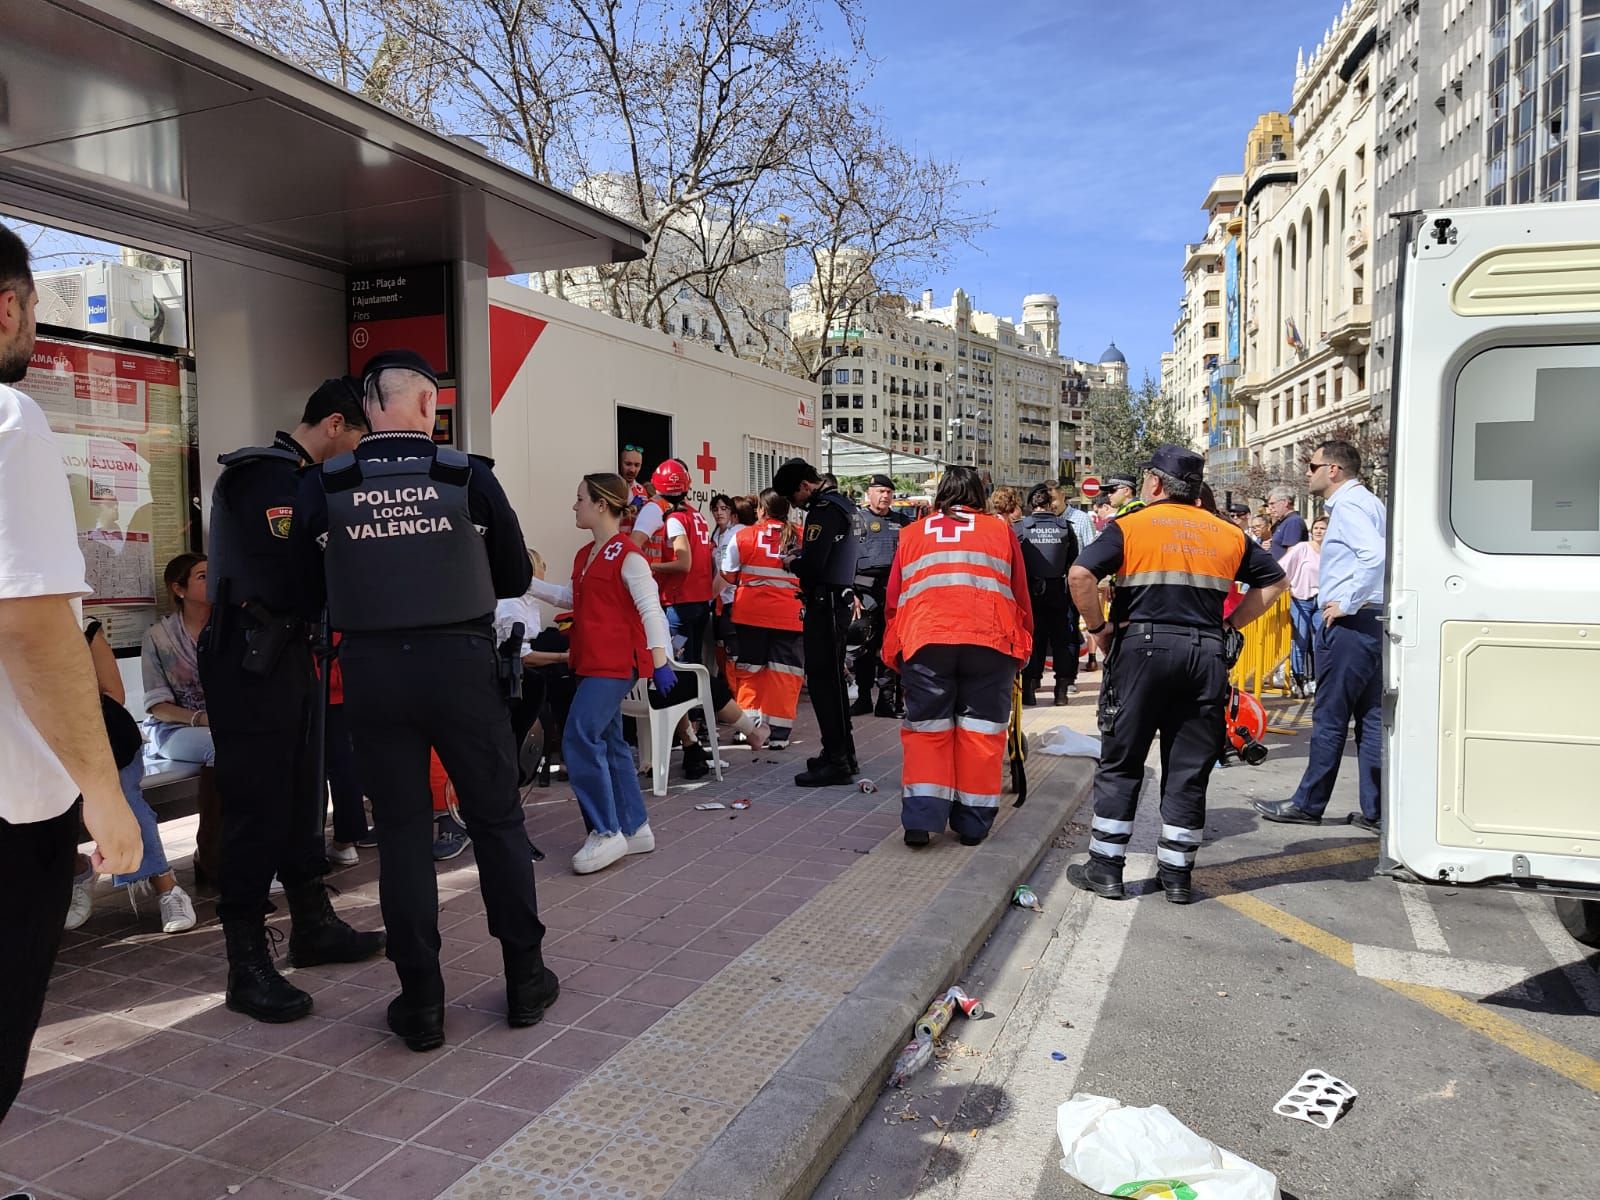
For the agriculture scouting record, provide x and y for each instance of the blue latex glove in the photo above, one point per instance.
(665, 678)
(639, 501)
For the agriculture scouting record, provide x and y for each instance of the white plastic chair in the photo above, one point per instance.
(655, 733)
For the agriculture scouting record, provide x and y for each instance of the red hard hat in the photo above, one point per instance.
(669, 479)
(1247, 726)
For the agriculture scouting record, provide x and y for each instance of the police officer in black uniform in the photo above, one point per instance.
(1049, 547)
(410, 543)
(255, 667)
(878, 530)
(1165, 671)
(826, 567)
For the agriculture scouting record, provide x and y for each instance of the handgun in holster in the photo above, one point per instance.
(508, 663)
(264, 645)
(1110, 703)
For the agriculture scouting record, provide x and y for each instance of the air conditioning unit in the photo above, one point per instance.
(106, 297)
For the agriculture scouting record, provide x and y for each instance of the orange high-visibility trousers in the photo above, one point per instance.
(953, 738)
(770, 671)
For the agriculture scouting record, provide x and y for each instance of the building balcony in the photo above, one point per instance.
(1351, 329)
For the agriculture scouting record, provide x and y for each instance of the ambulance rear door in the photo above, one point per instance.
(1492, 770)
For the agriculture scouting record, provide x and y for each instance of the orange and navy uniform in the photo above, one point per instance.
(960, 623)
(766, 615)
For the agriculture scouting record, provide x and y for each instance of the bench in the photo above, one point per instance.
(171, 788)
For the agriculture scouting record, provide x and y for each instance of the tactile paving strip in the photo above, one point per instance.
(662, 1098)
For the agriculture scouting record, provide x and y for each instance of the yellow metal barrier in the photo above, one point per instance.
(1267, 642)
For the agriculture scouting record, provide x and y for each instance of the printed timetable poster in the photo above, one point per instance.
(116, 417)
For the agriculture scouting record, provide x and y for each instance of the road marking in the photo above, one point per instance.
(1559, 943)
(1468, 975)
(1519, 1039)
(1269, 866)
(1424, 922)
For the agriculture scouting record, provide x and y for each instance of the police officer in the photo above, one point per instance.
(878, 530)
(1049, 547)
(255, 667)
(1165, 672)
(419, 541)
(1122, 488)
(826, 567)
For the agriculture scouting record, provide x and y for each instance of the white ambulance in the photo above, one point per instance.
(1492, 689)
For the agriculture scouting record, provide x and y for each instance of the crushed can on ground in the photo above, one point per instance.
(1024, 897)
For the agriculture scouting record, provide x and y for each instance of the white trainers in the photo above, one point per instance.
(598, 852)
(82, 902)
(641, 841)
(177, 910)
(276, 887)
(342, 856)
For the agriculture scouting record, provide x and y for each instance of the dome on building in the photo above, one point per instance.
(1112, 355)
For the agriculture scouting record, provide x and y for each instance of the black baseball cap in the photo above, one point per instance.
(882, 481)
(1118, 479)
(1177, 462)
(408, 360)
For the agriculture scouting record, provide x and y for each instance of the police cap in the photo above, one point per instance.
(882, 481)
(1120, 479)
(1177, 462)
(787, 479)
(1238, 508)
(408, 360)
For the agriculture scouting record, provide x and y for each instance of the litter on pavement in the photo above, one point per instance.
(709, 806)
(1058, 1056)
(1024, 897)
(1066, 743)
(1318, 1098)
(741, 805)
(1122, 1151)
(917, 1054)
(867, 786)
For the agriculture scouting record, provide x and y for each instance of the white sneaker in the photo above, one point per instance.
(343, 856)
(759, 736)
(177, 910)
(276, 889)
(641, 841)
(598, 852)
(82, 902)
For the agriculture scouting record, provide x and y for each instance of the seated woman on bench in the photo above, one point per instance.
(177, 724)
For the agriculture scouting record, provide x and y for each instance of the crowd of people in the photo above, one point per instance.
(386, 637)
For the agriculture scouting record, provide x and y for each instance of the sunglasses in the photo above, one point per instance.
(1313, 467)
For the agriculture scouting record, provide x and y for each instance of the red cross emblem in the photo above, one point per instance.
(706, 462)
(949, 528)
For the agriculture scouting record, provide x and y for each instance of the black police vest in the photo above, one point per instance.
(1046, 543)
(841, 568)
(878, 537)
(402, 551)
(252, 508)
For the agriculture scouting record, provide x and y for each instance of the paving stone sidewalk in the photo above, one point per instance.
(688, 977)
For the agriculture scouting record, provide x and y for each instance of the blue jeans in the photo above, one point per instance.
(155, 856)
(1349, 687)
(599, 762)
(1306, 618)
(182, 743)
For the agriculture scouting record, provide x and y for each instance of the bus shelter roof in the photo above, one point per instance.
(849, 457)
(133, 107)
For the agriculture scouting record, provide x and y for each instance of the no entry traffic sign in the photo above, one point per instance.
(1090, 486)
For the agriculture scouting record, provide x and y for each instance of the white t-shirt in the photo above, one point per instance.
(39, 556)
(650, 520)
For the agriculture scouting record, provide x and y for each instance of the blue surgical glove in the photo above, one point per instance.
(638, 501)
(665, 678)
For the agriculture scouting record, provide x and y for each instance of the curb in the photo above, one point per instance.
(784, 1140)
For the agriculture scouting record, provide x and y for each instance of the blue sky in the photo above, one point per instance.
(1095, 130)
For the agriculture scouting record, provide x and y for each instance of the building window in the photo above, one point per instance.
(855, 377)
(858, 401)
(827, 399)
(1212, 330)
(1213, 299)
(858, 425)
(874, 377)
(841, 376)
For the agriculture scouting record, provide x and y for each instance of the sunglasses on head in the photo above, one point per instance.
(631, 449)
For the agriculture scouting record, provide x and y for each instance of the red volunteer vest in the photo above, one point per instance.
(696, 585)
(607, 636)
(768, 594)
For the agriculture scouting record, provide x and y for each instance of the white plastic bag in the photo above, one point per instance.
(1065, 742)
(1149, 1153)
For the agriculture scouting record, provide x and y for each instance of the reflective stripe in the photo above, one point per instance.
(767, 573)
(1114, 850)
(786, 669)
(1106, 825)
(1177, 833)
(929, 791)
(974, 725)
(971, 558)
(787, 581)
(1175, 858)
(941, 725)
(984, 583)
(751, 668)
(973, 800)
(1210, 583)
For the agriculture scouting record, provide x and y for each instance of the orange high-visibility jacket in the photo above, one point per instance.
(768, 593)
(958, 579)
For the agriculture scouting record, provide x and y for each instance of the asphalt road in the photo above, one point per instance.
(1468, 1022)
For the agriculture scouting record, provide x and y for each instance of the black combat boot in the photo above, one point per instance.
(317, 935)
(830, 772)
(817, 760)
(531, 987)
(254, 986)
(417, 1013)
(1099, 876)
(696, 762)
(1177, 885)
(1063, 697)
(886, 706)
(1030, 693)
(863, 703)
